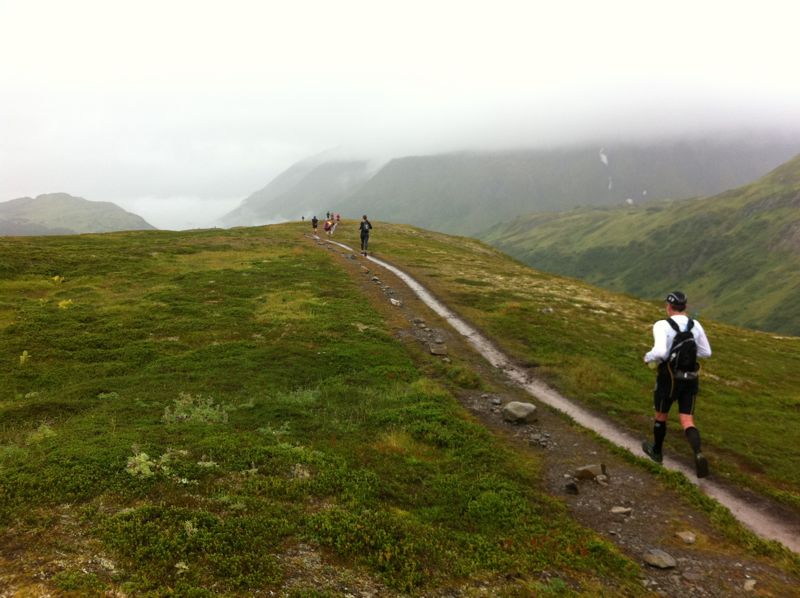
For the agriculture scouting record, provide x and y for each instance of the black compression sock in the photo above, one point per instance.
(659, 432)
(693, 436)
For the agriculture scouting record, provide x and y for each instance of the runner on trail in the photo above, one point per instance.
(365, 226)
(314, 223)
(672, 383)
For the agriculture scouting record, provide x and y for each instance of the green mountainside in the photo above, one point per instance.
(60, 213)
(465, 193)
(736, 255)
(307, 188)
(186, 413)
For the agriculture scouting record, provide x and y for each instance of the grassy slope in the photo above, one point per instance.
(464, 193)
(737, 255)
(590, 347)
(62, 211)
(191, 405)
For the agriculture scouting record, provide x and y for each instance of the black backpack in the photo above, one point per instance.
(682, 360)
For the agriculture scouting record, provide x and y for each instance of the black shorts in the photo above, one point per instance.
(683, 391)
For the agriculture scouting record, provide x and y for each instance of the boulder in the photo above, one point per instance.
(519, 413)
(656, 557)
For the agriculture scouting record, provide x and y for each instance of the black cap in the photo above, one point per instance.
(676, 299)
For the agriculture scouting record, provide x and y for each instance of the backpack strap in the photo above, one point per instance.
(674, 325)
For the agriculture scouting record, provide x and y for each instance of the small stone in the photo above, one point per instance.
(518, 412)
(438, 349)
(590, 472)
(621, 510)
(693, 575)
(656, 557)
(602, 480)
(749, 585)
(571, 487)
(687, 537)
(496, 401)
(396, 302)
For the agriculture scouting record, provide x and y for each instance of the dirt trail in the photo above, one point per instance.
(654, 514)
(762, 523)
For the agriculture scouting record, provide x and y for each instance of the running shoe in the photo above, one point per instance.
(651, 452)
(701, 465)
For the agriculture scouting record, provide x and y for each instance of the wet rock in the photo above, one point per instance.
(693, 575)
(590, 472)
(438, 349)
(687, 537)
(519, 413)
(655, 557)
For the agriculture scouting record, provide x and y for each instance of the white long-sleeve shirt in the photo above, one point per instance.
(663, 335)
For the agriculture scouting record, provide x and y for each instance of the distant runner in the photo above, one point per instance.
(314, 224)
(677, 343)
(364, 227)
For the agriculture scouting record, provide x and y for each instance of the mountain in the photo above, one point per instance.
(306, 188)
(736, 255)
(63, 214)
(465, 193)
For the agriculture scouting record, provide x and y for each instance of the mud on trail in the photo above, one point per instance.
(633, 508)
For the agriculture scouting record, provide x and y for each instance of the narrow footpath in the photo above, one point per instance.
(762, 522)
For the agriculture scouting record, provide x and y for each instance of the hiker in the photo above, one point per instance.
(314, 223)
(677, 378)
(327, 226)
(365, 226)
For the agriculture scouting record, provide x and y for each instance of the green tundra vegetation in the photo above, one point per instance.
(193, 406)
(736, 255)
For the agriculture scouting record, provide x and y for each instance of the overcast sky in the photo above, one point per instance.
(179, 109)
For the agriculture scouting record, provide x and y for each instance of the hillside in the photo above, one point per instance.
(307, 188)
(466, 193)
(243, 411)
(60, 213)
(737, 255)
